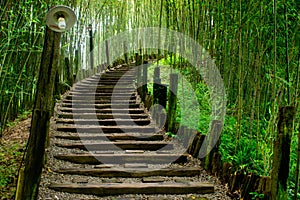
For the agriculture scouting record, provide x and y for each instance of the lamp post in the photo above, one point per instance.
(90, 28)
(58, 19)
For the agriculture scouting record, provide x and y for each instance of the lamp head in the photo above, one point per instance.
(60, 18)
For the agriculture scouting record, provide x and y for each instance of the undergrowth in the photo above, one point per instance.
(10, 158)
(12, 147)
(252, 151)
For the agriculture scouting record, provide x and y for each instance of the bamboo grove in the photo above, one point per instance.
(255, 45)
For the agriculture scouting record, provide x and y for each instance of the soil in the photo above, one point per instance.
(12, 148)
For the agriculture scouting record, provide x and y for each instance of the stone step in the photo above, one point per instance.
(134, 188)
(107, 122)
(95, 159)
(113, 137)
(106, 129)
(128, 145)
(132, 172)
(101, 116)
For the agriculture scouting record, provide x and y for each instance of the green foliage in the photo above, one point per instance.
(193, 107)
(20, 117)
(293, 162)
(10, 155)
(245, 153)
(256, 195)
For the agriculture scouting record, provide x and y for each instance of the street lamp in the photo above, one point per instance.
(58, 20)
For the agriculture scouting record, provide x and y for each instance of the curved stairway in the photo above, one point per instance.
(110, 135)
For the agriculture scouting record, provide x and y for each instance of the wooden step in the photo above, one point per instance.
(106, 129)
(104, 93)
(128, 145)
(105, 87)
(99, 106)
(101, 116)
(99, 92)
(120, 72)
(112, 137)
(106, 97)
(115, 78)
(107, 122)
(135, 151)
(135, 165)
(93, 101)
(97, 82)
(117, 74)
(96, 159)
(104, 110)
(98, 77)
(127, 70)
(137, 188)
(132, 172)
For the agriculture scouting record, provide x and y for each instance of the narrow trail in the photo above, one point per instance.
(105, 145)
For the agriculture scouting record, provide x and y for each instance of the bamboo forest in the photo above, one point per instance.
(101, 105)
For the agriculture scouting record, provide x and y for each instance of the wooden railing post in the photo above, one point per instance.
(69, 72)
(156, 84)
(171, 116)
(107, 52)
(139, 73)
(126, 53)
(144, 81)
(281, 157)
(216, 127)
